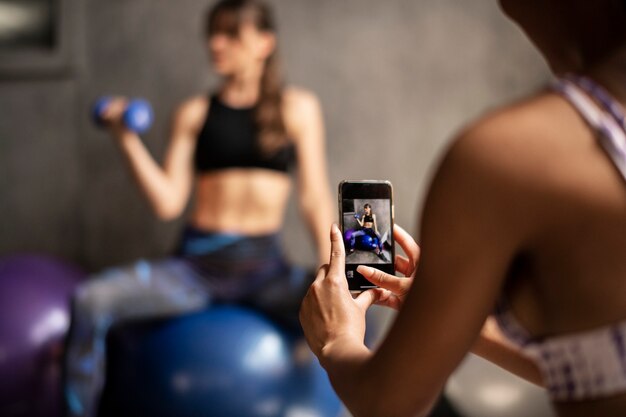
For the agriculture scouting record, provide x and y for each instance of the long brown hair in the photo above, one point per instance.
(228, 16)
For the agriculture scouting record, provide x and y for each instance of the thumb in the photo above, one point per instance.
(337, 262)
(367, 298)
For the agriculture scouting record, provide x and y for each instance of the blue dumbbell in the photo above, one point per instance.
(137, 117)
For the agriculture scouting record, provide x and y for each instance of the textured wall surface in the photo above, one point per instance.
(396, 78)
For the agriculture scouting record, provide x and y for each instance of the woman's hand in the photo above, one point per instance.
(393, 289)
(113, 116)
(329, 315)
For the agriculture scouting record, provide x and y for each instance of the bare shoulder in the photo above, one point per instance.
(299, 98)
(301, 107)
(519, 142)
(192, 112)
(502, 166)
(493, 176)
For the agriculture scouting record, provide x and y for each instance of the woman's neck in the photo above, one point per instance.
(243, 89)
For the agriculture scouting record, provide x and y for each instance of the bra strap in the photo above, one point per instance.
(608, 130)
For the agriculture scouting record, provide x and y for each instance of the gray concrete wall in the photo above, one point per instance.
(396, 78)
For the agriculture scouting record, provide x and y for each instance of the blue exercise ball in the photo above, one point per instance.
(225, 362)
(367, 242)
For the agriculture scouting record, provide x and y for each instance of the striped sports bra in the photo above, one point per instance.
(590, 364)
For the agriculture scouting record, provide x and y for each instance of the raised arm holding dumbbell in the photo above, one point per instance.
(166, 187)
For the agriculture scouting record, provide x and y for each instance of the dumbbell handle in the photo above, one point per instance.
(138, 115)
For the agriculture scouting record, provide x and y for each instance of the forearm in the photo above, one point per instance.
(149, 176)
(363, 386)
(319, 215)
(346, 366)
(492, 347)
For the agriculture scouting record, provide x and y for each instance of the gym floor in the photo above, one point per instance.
(367, 257)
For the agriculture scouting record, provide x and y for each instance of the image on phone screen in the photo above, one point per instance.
(367, 230)
(366, 216)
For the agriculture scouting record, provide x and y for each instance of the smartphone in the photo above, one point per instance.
(366, 221)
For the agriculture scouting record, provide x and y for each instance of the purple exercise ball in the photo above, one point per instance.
(35, 293)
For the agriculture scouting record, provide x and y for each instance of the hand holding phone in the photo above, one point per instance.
(366, 218)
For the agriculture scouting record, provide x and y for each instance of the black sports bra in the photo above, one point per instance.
(228, 139)
(368, 218)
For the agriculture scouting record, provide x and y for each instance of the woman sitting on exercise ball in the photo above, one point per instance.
(369, 227)
(525, 222)
(239, 145)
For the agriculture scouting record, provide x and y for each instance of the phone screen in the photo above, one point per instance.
(366, 213)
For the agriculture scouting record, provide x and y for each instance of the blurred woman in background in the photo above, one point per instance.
(525, 219)
(235, 148)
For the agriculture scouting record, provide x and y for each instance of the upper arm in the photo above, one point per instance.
(186, 124)
(305, 125)
(469, 235)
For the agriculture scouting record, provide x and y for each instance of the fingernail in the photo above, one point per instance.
(363, 270)
(334, 228)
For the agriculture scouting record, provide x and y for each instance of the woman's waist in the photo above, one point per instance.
(240, 224)
(226, 245)
(240, 188)
(238, 208)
